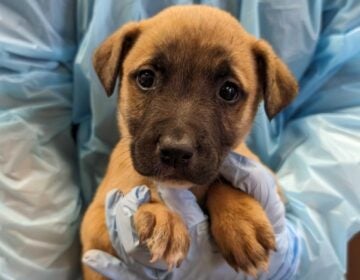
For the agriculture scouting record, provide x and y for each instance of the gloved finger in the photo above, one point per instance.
(236, 169)
(108, 265)
(119, 211)
(183, 202)
(254, 179)
(133, 199)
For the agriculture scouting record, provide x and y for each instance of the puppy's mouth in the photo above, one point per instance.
(175, 175)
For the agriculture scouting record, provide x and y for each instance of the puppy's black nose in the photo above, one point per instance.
(175, 152)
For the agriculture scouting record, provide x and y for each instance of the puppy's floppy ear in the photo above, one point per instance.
(109, 57)
(275, 80)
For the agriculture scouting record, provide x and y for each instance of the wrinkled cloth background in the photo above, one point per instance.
(50, 97)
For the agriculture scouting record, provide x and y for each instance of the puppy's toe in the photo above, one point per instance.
(265, 236)
(244, 236)
(164, 233)
(179, 243)
(144, 224)
(243, 250)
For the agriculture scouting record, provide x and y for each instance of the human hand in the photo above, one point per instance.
(203, 260)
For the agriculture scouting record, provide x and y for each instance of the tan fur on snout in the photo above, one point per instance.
(195, 43)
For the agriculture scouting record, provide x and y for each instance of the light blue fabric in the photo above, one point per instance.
(313, 145)
(203, 260)
(39, 196)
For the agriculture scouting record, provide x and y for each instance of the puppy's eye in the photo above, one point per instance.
(146, 79)
(230, 92)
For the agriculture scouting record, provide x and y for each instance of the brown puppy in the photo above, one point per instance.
(191, 81)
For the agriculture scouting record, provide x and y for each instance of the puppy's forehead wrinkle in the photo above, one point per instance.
(195, 48)
(188, 59)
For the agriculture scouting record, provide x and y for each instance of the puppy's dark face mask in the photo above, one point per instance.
(191, 81)
(189, 98)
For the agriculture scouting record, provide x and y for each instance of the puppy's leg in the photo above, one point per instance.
(240, 228)
(121, 175)
(164, 232)
(94, 235)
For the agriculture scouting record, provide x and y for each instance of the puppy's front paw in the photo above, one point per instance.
(164, 232)
(242, 232)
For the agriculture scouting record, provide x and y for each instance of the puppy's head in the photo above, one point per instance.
(191, 80)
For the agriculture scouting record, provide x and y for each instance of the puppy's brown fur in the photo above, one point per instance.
(193, 50)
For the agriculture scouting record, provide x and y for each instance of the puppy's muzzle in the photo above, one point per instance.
(167, 150)
(176, 152)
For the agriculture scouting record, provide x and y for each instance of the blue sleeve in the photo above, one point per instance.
(39, 197)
